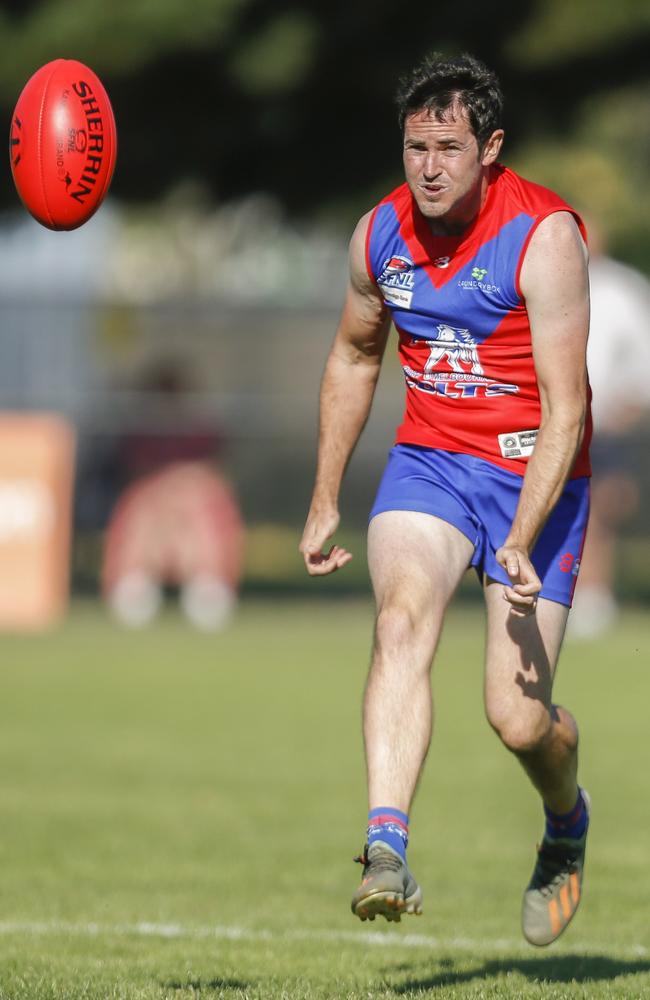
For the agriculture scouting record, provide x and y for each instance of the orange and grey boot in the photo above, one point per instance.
(554, 891)
(387, 889)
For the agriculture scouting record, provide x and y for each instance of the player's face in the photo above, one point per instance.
(444, 167)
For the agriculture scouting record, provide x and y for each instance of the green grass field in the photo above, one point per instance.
(180, 812)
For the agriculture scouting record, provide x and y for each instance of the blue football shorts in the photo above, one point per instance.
(480, 499)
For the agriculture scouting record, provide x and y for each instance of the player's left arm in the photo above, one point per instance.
(555, 285)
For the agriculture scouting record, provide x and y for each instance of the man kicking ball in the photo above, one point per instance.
(484, 276)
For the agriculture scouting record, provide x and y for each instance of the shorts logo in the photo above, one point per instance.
(397, 281)
(568, 563)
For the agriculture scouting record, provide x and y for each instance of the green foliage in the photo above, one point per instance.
(276, 58)
(602, 169)
(561, 30)
(115, 38)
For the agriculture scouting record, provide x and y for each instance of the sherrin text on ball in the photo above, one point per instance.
(63, 144)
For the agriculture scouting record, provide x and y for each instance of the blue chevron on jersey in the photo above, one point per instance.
(465, 338)
(481, 291)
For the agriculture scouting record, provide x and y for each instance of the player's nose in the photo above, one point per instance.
(431, 166)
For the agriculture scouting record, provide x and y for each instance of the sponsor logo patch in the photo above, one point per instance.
(518, 444)
(397, 296)
(477, 282)
(397, 280)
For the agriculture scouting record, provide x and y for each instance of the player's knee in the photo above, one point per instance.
(522, 732)
(397, 628)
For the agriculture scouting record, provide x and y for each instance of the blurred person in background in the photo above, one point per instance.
(177, 522)
(618, 358)
(485, 277)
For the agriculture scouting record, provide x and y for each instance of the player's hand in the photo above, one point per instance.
(525, 583)
(321, 525)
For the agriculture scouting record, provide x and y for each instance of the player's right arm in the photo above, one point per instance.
(347, 389)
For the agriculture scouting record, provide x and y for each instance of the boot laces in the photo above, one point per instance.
(554, 863)
(381, 861)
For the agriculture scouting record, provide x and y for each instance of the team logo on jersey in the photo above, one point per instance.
(397, 280)
(455, 345)
(453, 367)
(442, 262)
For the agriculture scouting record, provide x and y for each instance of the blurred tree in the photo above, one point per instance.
(561, 30)
(296, 98)
(118, 38)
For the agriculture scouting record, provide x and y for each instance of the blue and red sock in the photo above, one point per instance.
(390, 826)
(568, 825)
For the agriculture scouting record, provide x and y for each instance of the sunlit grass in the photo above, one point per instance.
(180, 812)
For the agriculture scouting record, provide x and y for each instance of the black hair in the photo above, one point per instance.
(441, 81)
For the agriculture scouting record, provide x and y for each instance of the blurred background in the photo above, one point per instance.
(188, 322)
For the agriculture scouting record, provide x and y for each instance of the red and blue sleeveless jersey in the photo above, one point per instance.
(464, 335)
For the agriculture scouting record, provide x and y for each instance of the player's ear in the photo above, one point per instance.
(492, 148)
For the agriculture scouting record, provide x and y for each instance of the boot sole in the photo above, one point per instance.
(390, 905)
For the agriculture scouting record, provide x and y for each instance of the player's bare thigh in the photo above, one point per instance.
(521, 656)
(416, 561)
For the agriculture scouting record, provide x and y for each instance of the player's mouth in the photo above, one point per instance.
(432, 190)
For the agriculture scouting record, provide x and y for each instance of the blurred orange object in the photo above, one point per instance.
(36, 476)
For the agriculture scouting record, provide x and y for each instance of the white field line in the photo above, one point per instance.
(381, 939)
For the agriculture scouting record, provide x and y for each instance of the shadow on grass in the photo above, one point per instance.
(207, 984)
(556, 969)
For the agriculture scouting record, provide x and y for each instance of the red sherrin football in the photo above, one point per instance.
(63, 144)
